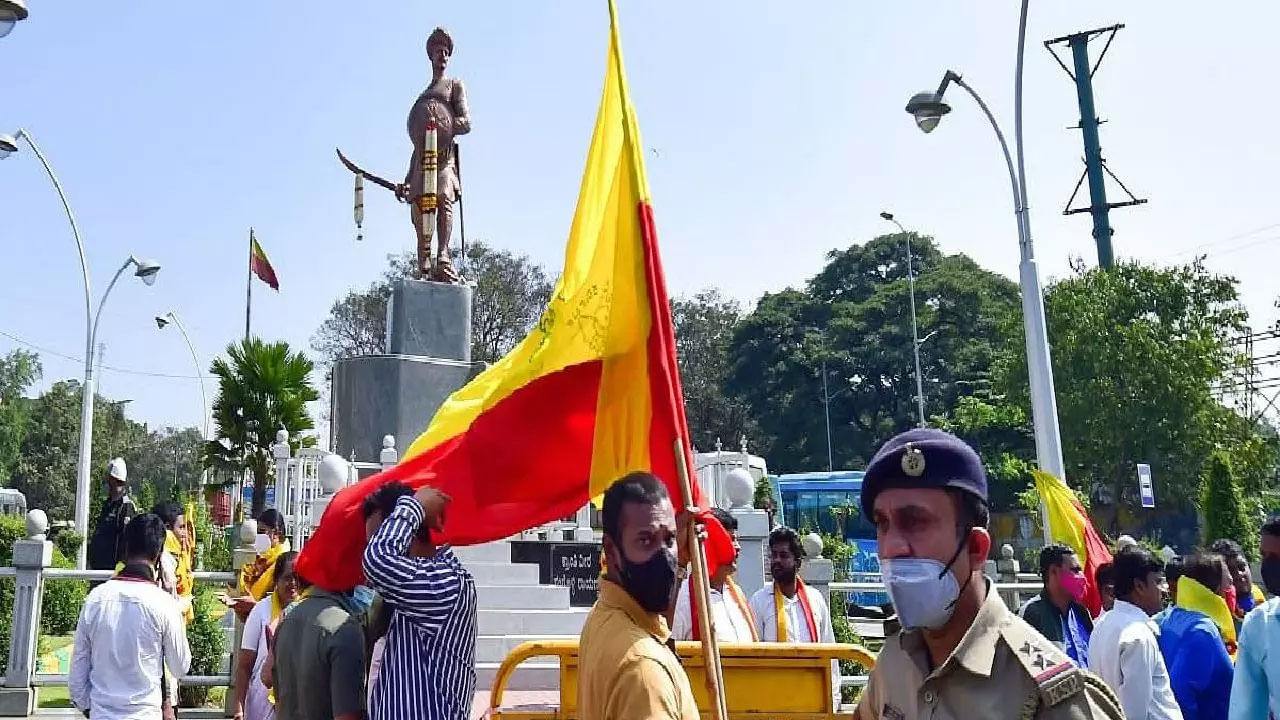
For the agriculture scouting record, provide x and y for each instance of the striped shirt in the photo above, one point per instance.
(428, 668)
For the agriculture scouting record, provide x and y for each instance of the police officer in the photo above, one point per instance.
(961, 653)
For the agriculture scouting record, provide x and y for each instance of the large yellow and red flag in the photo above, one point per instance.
(591, 394)
(1069, 524)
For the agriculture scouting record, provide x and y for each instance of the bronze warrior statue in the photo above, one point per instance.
(442, 105)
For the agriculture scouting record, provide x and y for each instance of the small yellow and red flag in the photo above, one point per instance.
(1069, 524)
(592, 393)
(260, 265)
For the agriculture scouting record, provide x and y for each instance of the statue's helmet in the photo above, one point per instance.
(440, 37)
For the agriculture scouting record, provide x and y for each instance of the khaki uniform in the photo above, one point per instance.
(627, 671)
(1002, 668)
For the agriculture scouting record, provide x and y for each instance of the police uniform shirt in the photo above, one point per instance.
(1002, 668)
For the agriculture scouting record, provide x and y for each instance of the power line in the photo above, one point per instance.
(80, 361)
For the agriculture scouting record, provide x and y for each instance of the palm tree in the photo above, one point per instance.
(262, 387)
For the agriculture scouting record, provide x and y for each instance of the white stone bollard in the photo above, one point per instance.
(753, 530)
(30, 558)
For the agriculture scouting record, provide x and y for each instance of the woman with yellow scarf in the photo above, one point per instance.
(1198, 639)
(253, 699)
(258, 577)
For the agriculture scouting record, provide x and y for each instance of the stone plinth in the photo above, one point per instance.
(429, 319)
(428, 358)
(388, 395)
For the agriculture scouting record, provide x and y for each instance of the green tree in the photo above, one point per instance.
(46, 468)
(18, 371)
(169, 459)
(1226, 514)
(704, 325)
(509, 294)
(855, 318)
(1136, 351)
(262, 387)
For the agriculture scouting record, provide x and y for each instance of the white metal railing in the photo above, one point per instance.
(39, 679)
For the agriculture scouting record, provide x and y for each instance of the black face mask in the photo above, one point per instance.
(1271, 574)
(652, 582)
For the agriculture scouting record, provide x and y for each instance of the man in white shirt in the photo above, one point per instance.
(787, 610)
(129, 628)
(1123, 649)
(730, 612)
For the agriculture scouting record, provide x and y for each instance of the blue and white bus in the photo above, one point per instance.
(807, 499)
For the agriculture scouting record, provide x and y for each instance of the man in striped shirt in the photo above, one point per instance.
(428, 663)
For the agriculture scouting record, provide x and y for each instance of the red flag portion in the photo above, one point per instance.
(592, 393)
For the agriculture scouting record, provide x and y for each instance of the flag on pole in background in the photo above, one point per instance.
(1069, 524)
(260, 265)
(592, 393)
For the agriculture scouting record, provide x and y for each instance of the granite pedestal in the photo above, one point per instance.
(429, 357)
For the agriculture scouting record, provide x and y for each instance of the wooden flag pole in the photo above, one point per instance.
(701, 596)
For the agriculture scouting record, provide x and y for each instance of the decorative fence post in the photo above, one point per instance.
(753, 529)
(389, 455)
(816, 571)
(1007, 572)
(30, 557)
(333, 474)
(243, 554)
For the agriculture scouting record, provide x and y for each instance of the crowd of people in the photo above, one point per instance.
(1190, 637)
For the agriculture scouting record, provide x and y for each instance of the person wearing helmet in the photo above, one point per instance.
(106, 546)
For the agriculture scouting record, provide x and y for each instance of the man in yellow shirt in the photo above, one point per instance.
(628, 663)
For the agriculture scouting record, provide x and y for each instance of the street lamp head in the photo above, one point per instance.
(8, 145)
(887, 216)
(11, 11)
(161, 321)
(146, 269)
(927, 108)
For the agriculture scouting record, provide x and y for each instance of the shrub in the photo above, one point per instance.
(68, 541)
(60, 607)
(207, 647)
(1225, 513)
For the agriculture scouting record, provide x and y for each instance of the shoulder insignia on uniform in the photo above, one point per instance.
(889, 712)
(1059, 683)
(1055, 676)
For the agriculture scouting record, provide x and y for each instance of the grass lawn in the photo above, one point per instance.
(55, 697)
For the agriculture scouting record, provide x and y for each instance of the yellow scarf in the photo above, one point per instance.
(184, 575)
(258, 577)
(780, 613)
(1196, 597)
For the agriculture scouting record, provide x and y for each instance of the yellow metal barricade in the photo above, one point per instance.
(778, 681)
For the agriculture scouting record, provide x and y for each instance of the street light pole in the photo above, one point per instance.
(172, 317)
(928, 109)
(826, 404)
(145, 270)
(915, 331)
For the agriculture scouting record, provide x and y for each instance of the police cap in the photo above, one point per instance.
(923, 458)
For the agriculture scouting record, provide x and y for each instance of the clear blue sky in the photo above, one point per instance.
(779, 134)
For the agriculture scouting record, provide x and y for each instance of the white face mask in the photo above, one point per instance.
(261, 543)
(923, 590)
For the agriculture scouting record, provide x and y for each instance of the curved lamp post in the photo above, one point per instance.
(171, 317)
(915, 331)
(928, 108)
(146, 271)
(11, 11)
